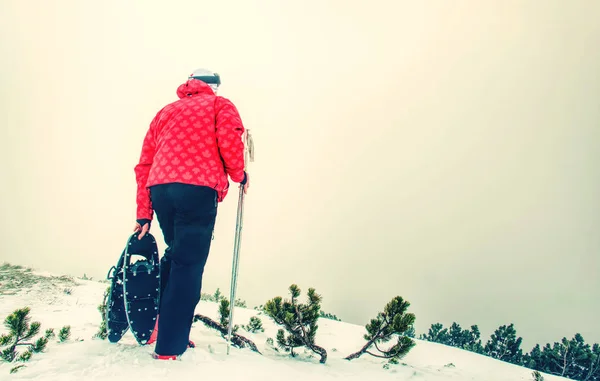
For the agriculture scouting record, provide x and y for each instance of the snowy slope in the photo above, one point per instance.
(58, 301)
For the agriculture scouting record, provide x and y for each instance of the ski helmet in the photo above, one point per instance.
(210, 78)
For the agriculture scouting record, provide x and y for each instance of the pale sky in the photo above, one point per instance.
(446, 152)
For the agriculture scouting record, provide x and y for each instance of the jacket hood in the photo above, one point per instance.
(193, 87)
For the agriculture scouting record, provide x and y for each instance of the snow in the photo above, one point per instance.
(83, 357)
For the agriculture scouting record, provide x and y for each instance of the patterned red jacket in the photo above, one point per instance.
(195, 140)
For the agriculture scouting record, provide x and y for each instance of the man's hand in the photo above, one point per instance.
(246, 182)
(142, 225)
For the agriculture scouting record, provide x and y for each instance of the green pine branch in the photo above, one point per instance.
(393, 321)
(254, 325)
(299, 320)
(224, 315)
(64, 333)
(102, 333)
(236, 339)
(21, 334)
(537, 376)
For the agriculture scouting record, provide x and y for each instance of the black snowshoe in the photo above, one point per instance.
(133, 299)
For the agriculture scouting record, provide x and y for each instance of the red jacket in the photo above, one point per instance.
(195, 140)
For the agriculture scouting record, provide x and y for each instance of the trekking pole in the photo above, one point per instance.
(249, 153)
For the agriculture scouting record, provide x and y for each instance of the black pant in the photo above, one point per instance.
(186, 214)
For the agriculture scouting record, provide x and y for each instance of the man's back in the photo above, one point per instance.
(194, 140)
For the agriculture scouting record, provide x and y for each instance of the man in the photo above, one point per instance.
(190, 148)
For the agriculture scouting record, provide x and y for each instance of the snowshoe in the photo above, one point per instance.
(141, 286)
(133, 298)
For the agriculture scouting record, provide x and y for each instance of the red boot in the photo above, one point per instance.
(164, 357)
(171, 357)
(154, 334)
(153, 337)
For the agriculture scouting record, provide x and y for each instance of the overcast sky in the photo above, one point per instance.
(447, 152)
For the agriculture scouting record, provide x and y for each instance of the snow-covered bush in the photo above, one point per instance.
(327, 315)
(393, 321)
(537, 376)
(224, 315)
(102, 331)
(217, 296)
(299, 320)
(255, 325)
(236, 339)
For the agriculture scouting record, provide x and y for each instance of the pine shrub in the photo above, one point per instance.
(299, 321)
(21, 333)
(393, 321)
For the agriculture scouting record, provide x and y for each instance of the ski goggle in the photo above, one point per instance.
(210, 79)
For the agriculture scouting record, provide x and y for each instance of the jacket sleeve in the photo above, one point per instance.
(229, 130)
(142, 170)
